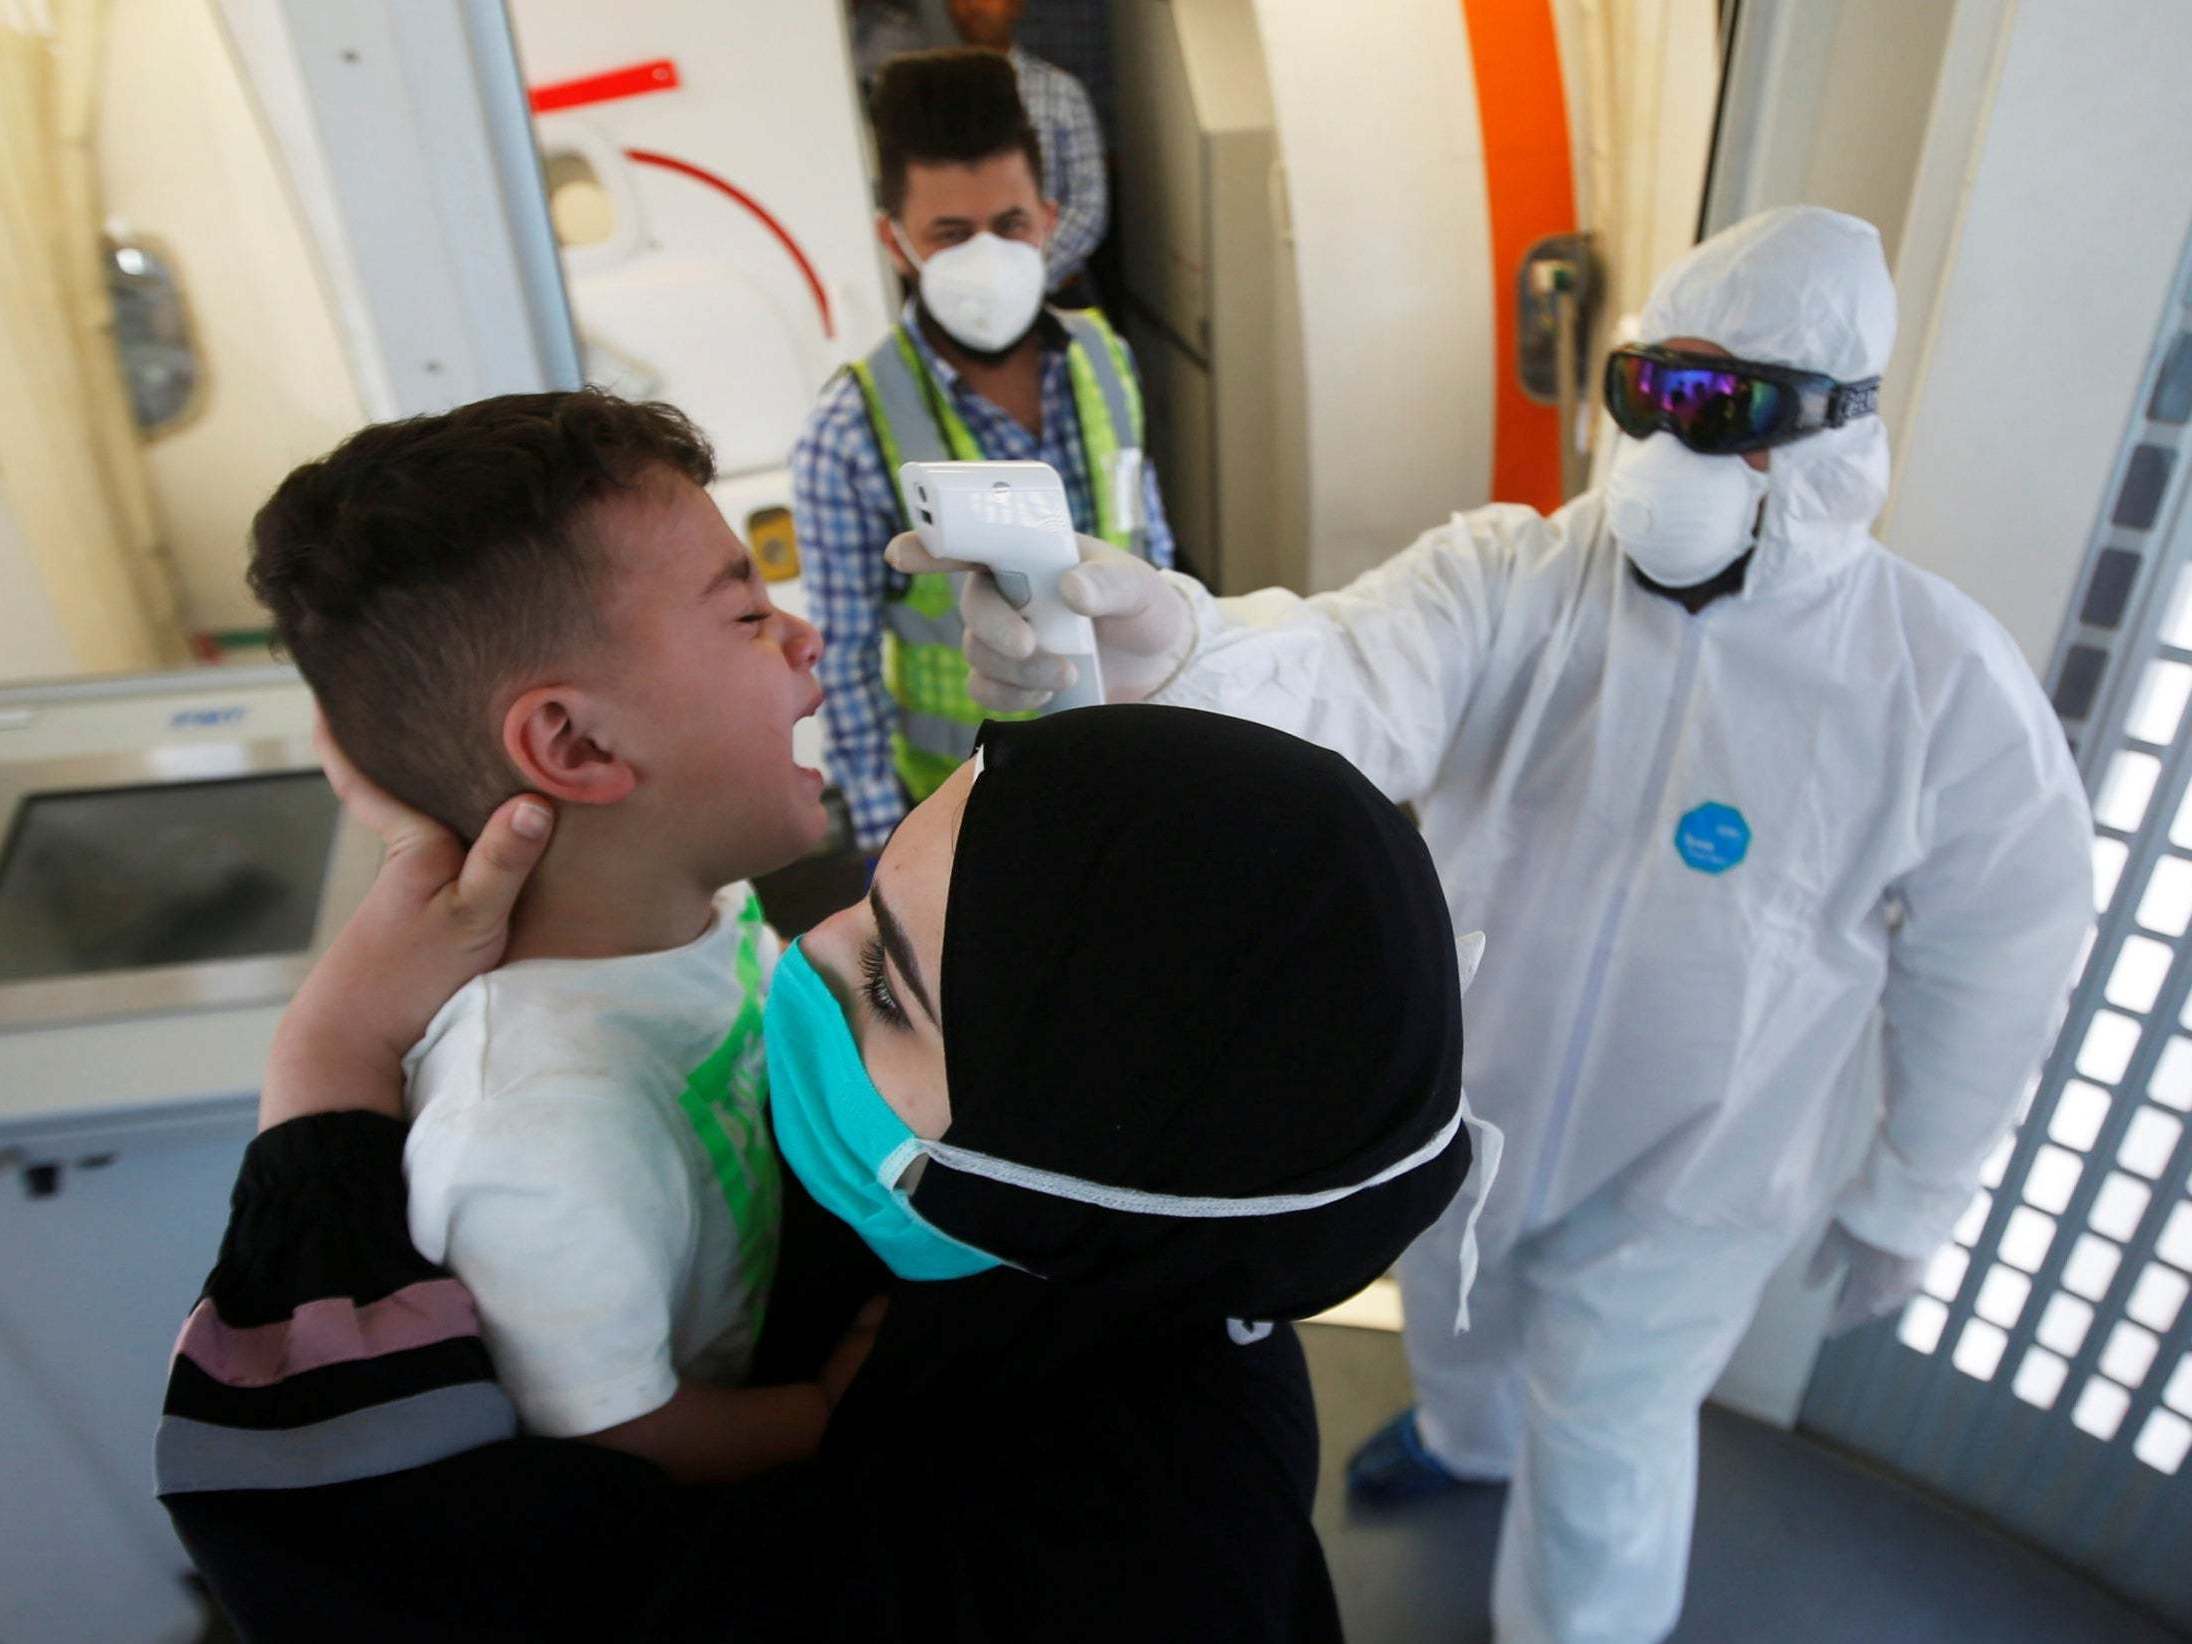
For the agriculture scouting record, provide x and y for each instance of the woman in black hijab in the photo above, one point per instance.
(1163, 1009)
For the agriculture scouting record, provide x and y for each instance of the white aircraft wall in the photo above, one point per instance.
(184, 161)
(693, 292)
(2017, 380)
(1384, 162)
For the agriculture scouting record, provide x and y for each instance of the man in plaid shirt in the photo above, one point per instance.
(1058, 107)
(958, 162)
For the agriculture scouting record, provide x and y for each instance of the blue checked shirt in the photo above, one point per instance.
(847, 510)
(1073, 161)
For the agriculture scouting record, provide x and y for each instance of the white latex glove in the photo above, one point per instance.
(1875, 1282)
(1144, 627)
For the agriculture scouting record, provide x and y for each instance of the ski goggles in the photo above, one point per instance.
(1719, 406)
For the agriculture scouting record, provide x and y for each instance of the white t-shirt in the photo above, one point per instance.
(589, 1153)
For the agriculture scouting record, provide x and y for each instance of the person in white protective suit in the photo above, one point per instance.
(1722, 778)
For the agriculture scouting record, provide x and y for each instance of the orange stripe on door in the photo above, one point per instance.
(1529, 185)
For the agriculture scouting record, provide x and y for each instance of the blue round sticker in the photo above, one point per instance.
(1713, 838)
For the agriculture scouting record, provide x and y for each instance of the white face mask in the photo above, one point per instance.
(985, 291)
(1681, 518)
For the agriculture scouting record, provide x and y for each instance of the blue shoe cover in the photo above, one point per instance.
(1393, 1466)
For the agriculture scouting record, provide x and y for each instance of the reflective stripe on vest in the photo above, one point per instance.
(915, 421)
(1108, 398)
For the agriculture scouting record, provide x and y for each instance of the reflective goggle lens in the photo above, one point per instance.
(1709, 410)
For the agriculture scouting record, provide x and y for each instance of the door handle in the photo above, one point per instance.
(1558, 288)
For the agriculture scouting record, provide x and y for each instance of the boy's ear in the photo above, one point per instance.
(549, 734)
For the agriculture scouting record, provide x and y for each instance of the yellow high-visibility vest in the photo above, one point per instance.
(915, 421)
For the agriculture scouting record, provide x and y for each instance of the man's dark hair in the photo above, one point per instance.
(956, 107)
(419, 566)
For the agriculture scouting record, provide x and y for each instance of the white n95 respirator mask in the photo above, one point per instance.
(1681, 518)
(985, 291)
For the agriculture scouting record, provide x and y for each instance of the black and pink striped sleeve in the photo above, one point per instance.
(325, 1348)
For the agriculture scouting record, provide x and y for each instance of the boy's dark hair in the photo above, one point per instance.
(420, 565)
(956, 107)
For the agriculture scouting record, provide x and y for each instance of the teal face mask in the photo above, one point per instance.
(838, 1134)
(850, 1149)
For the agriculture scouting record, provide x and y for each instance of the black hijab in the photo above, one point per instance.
(1184, 955)
(1189, 955)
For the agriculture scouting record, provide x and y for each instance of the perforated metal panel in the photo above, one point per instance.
(2046, 1375)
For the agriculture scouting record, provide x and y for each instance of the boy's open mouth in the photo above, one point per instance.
(812, 709)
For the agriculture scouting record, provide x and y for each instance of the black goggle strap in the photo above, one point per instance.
(1852, 399)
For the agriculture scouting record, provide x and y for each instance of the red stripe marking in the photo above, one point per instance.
(329, 1331)
(1529, 184)
(636, 81)
(647, 157)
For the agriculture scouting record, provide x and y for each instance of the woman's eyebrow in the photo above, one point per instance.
(900, 950)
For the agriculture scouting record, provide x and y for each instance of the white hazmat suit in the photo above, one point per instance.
(1707, 849)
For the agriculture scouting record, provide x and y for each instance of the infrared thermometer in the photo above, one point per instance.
(1011, 519)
